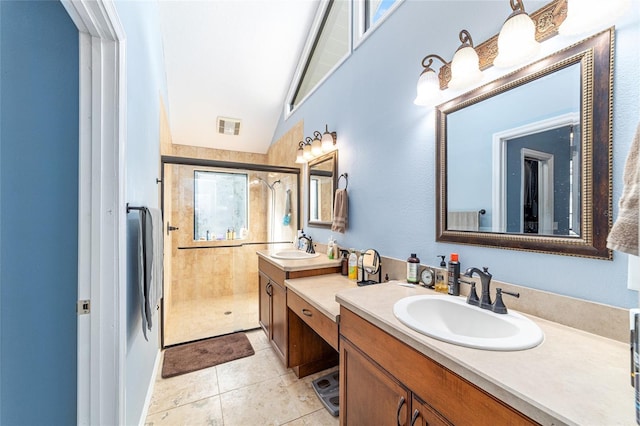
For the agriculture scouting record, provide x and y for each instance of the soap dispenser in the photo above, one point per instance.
(441, 283)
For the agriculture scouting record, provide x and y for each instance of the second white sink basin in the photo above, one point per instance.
(294, 255)
(452, 320)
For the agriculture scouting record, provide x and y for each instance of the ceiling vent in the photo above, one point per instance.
(229, 126)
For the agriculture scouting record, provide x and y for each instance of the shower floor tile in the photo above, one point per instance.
(200, 319)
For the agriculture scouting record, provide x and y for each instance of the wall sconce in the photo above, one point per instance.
(329, 139)
(517, 39)
(306, 151)
(316, 145)
(428, 89)
(320, 144)
(465, 66)
(300, 156)
(587, 15)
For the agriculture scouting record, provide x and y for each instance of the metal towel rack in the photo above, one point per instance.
(129, 208)
(346, 179)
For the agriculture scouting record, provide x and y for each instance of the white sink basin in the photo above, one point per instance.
(452, 320)
(294, 255)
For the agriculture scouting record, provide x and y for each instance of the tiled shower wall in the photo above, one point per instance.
(196, 273)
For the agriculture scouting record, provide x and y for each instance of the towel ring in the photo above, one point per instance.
(346, 179)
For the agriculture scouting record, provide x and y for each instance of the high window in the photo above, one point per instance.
(220, 205)
(329, 43)
(330, 47)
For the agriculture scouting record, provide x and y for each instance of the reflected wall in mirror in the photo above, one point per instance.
(321, 186)
(524, 162)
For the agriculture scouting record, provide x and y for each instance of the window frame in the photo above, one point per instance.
(357, 36)
(361, 33)
(195, 198)
(307, 51)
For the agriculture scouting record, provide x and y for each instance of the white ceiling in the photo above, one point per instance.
(234, 59)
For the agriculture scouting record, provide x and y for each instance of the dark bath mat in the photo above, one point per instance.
(205, 353)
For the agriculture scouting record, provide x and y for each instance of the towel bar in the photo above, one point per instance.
(346, 179)
(129, 208)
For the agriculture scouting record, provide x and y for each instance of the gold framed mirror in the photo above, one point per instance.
(524, 162)
(322, 181)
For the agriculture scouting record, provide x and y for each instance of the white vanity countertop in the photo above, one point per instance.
(573, 377)
(320, 291)
(321, 261)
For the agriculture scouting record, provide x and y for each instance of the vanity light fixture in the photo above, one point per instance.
(316, 145)
(588, 15)
(306, 151)
(329, 139)
(465, 66)
(300, 156)
(428, 89)
(517, 39)
(321, 143)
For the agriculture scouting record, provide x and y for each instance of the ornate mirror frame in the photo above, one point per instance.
(595, 56)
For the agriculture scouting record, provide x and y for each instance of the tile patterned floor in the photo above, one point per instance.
(256, 390)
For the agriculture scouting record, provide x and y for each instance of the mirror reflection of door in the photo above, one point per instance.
(537, 192)
(540, 195)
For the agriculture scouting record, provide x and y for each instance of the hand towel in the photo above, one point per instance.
(463, 221)
(150, 264)
(340, 209)
(157, 269)
(142, 269)
(287, 209)
(624, 233)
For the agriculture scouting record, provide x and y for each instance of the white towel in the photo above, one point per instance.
(340, 211)
(463, 221)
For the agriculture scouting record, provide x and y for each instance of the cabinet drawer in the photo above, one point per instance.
(319, 322)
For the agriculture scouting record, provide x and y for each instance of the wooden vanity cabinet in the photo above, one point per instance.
(273, 310)
(272, 302)
(385, 381)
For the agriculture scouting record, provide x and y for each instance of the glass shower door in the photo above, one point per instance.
(223, 216)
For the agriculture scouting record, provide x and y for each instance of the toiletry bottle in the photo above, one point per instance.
(344, 263)
(361, 266)
(353, 265)
(453, 270)
(412, 269)
(441, 283)
(330, 248)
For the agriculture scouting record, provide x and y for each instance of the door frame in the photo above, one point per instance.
(102, 212)
(499, 161)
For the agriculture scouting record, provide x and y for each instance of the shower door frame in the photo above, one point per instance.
(199, 162)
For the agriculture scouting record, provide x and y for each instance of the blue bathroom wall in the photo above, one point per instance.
(387, 145)
(38, 213)
(146, 85)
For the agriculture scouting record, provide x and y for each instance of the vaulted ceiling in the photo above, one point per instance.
(233, 59)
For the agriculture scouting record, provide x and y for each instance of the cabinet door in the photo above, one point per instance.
(423, 415)
(368, 394)
(264, 302)
(279, 320)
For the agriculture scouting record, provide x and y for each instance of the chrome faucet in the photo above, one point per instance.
(485, 281)
(310, 248)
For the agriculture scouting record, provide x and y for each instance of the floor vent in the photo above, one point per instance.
(229, 126)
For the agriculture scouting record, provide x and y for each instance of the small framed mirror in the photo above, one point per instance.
(524, 162)
(322, 182)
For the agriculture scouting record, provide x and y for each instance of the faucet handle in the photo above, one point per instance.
(486, 270)
(472, 299)
(498, 305)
